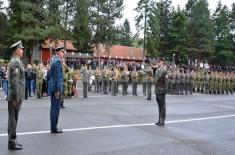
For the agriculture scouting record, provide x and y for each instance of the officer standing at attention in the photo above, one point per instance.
(56, 88)
(149, 72)
(85, 80)
(134, 77)
(16, 93)
(39, 80)
(160, 82)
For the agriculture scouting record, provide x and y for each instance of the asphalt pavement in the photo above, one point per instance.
(107, 125)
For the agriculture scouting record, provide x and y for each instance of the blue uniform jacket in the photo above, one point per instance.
(56, 76)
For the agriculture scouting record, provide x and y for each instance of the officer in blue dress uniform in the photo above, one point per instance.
(56, 86)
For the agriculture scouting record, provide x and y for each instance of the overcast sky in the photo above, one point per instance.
(130, 14)
(131, 4)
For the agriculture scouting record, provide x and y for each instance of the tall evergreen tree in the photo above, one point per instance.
(222, 34)
(178, 35)
(143, 9)
(104, 13)
(3, 31)
(124, 36)
(81, 28)
(232, 27)
(165, 16)
(26, 22)
(53, 18)
(200, 36)
(153, 32)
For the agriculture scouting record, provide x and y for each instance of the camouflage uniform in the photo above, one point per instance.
(187, 76)
(134, 77)
(149, 72)
(206, 83)
(70, 82)
(182, 82)
(98, 80)
(177, 82)
(125, 80)
(16, 94)
(105, 80)
(39, 81)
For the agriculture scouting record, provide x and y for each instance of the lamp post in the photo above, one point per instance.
(173, 60)
(51, 39)
(73, 59)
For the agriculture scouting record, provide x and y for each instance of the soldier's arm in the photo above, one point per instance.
(14, 77)
(57, 76)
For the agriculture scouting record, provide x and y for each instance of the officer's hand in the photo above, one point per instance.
(57, 95)
(14, 103)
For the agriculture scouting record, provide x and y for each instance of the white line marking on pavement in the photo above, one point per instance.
(122, 126)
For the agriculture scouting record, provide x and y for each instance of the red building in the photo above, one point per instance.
(116, 52)
(45, 48)
(119, 52)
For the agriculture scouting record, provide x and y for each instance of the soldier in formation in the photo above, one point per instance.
(39, 80)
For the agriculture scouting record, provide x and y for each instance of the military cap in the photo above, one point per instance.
(147, 61)
(16, 45)
(59, 48)
(160, 59)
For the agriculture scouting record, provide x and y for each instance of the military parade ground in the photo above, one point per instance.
(195, 124)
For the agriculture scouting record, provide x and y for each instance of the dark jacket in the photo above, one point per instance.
(160, 82)
(56, 76)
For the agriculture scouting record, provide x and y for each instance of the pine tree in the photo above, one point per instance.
(222, 35)
(199, 30)
(232, 27)
(104, 13)
(153, 32)
(124, 36)
(3, 32)
(53, 18)
(178, 36)
(143, 8)
(81, 26)
(165, 9)
(26, 23)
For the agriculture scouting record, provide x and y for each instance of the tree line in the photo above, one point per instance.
(190, 33)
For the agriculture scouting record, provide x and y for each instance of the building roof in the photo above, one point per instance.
(116, 51)
(120, 52)
(57, 43)
(78, 55)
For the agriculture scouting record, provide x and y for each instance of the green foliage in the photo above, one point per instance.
(82, 30)
(153, 32)
(224, 57)
(124, 36)
(178, 34)
(222, 35)
(200, 36)
(104, 13)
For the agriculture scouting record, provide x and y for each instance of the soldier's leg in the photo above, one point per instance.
(136, 88)
(86, 89)
(144, 88)
(147, 89)
(161, 109)
(40, 93)
(55, 110)
(206, 88)
(83, 89)
(115, 88)
(12, 123)
(133, 88)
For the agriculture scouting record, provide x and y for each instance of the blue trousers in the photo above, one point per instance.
(55, 111)
(28, 87)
